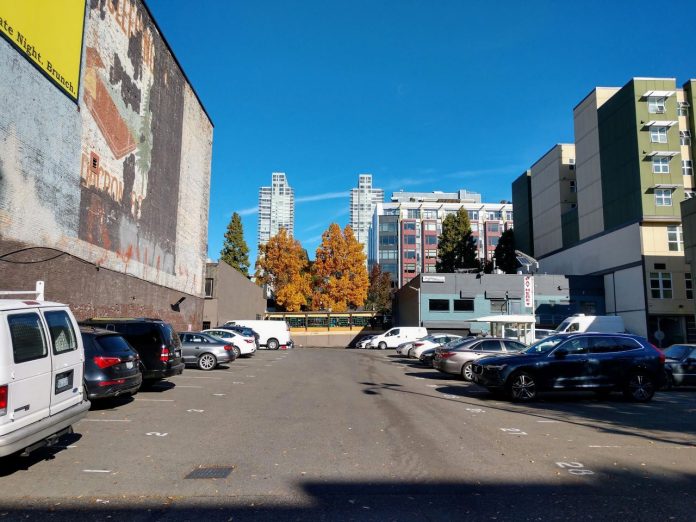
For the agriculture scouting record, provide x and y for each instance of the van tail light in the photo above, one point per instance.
(228, 347)
(164, 356)
(3, 400)
(105, 362)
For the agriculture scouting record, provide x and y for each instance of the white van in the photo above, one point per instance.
(272, 334)
(395, 336)
(41, 374)
(592, 323)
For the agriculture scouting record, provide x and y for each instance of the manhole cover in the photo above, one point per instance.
(214, 472)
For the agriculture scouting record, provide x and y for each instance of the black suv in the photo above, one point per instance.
(111, 365)
(155, 341)
(580, 361)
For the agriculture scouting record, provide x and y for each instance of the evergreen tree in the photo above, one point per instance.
(235, 251)
(379, 295)
(456, 245)
(505, 257)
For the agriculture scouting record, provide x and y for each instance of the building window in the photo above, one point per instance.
(431, 226)
(683, 108)
(660, 165)
(508, 216)
(431, 240)
(661, 285)
(409, 254)
(206, 325)
(675, 239)
(474, 227)
(387, 240)
(387, 227)
(463, 305)
(388, 254)
(209, 287)
(431, 254)
(663, 197)
(656, 104)
(409, 268)
(573, 187)
(689, 193)
(409, 240)
(429, 213)
(688, 283)
(687, 168)
(413, 213)
(685, 137)
(430, 268)
(658, 134)
(493, 227)
(473, 214)
(493, 241)
(495, 215)
(409, 225)
(439, 305)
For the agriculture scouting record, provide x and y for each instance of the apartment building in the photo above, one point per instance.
(633, 165)
(404, 232)
(363, 200)
(276, 208)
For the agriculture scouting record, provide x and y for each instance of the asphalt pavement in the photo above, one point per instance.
(336, 434)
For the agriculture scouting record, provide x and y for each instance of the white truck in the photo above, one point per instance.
(395, 336)
(592, 323)
(272, 334)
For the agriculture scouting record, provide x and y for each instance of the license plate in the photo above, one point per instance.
(62, 382)
(129, 365)
(178, 353)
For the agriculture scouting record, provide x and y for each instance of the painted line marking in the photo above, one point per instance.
(433, 385)
(603, 446)
(180, 386)
(195, 411)
(548, 421)
(97, 470)
(106, 420)
(196, 377)
(513, 431)
(251, 376)
(451, 397)
(237, 382)
(65, 447)
(218, 394)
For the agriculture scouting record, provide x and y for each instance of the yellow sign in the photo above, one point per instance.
(49, 34)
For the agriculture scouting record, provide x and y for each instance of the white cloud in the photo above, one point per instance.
(321, 197)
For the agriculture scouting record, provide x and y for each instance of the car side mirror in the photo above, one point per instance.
(560, 353)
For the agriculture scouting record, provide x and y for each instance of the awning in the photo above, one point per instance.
(660, 123)
(662, 153)
(658, 94)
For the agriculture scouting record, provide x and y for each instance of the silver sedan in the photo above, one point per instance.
(457, 360)
(205, 351)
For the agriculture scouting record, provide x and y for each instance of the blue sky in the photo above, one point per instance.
(425, 95)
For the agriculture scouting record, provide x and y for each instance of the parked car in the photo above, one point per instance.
(458, 359)
(246, 332)
(404, 348)
(431, 341)
(155, 341)
(680, 365)
(395, 336)
(243, 345)
(41, 374)
(272, 334)
(112, 366)
(586, 361)
(362, 343)
(206, 351)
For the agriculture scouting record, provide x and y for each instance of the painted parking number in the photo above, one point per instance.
(157, 434)
(513, 431)
(574, 468)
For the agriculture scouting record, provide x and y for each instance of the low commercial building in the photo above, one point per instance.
(229, 296)
(454, 301)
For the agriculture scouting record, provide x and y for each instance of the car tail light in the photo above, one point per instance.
(164, 356)
(249, 340)
(105, 362)
(418, 344)
(228, 347)
(3, 400)
(446, 355)
(110, 383)
(662, 354)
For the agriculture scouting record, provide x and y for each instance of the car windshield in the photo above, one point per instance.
(458, 343)
(545, 345)
(677, 351)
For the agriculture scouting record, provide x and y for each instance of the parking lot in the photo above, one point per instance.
(354, 434)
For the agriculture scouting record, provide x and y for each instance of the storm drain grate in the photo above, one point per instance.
(213, 472)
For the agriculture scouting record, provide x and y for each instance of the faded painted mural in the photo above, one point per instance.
(128, 171)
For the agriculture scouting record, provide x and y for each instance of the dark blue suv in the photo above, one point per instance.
(577, 361)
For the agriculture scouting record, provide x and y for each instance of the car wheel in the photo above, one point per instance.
(669, 380)
(237, 352)
(468, 372)
(640, 387)
(382, 345)
(207, 362)
(273, 344)
(522, 387)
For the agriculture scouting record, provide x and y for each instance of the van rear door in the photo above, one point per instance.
(28, 367)
(68, 359)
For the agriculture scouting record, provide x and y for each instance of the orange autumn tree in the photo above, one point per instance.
(339, 273)
(282, 264)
